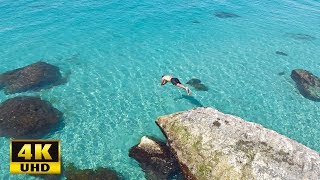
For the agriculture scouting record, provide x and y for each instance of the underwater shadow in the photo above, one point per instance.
(192, 100)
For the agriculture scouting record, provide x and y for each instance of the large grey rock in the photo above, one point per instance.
(25, 117)
(32, 77)
(155, 158)
(211, 145)
(307, 83)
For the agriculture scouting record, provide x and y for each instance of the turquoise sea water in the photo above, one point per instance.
(116, 52)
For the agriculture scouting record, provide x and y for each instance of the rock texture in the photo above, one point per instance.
(32, 77)
(26, 116)
(307, 83)
(211, 145)
(155, 158)
(73, 173)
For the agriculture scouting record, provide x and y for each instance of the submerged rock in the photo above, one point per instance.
(201, 87)
(211, 145)
(281, 53)
(300, 36)
(307, 84)
(73, 173)
(49, 176)
(194, 81)
(27, 116)
(281, 73)
(32, 77)
(225, 15)
(155, 158)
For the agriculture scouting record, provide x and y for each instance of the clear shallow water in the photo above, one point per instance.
(117, 51)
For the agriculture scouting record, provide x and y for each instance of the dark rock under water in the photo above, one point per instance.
(27, 117)
(73, 173)
(35, 76)
(307, 84)
(200, 87)
(194, 81)
(225, 15)
(281, 53)
(301, 36)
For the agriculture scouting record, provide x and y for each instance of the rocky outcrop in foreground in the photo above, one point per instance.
(307, 83)
(26, 116)
(32, 77)
(211, 145)
(155, 158)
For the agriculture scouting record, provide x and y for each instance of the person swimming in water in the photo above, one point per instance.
(174, 81)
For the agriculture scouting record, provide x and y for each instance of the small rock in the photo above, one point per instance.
(307, 84)
(155, 158)
(281, 53)
(225, 15)
(281, 73)
(301, 36)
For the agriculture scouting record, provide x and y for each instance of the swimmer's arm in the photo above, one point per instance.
(163, 82)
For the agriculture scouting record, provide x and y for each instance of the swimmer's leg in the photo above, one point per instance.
(184, 87)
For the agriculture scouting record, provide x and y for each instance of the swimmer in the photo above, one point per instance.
(174, 81)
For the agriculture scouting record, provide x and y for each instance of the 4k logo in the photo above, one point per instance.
(35, 156)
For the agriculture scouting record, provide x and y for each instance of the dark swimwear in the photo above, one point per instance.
(175, 81)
